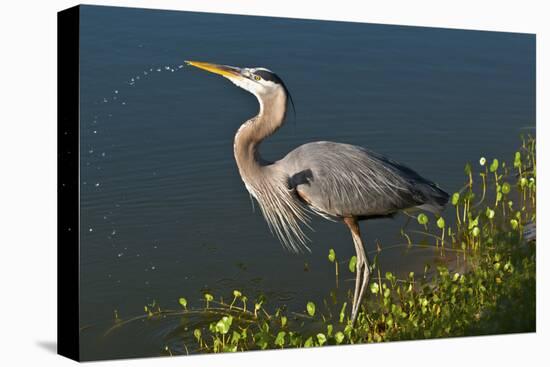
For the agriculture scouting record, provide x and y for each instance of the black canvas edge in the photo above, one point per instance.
(68, 193)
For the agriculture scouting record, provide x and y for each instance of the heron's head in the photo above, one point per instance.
(261, 82)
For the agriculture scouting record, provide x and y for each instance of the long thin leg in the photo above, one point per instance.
(363, 270)
(366, 276)
(359, 280)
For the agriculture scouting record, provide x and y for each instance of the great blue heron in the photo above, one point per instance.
(334, 180)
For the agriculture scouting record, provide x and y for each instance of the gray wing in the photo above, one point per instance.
(346, 180)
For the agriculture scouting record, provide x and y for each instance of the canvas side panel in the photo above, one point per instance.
(68, 228)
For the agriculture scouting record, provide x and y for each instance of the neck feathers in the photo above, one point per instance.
(254, 131)
(264, 181)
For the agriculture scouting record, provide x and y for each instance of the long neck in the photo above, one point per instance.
(265, 182)
(254, 131)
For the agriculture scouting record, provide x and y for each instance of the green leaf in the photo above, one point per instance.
(490, 213)
(494, 166)
(482, 161)
(374, 288)
(197, 333)
(505, 188)
(441, 223)
(475, 231)
(183, 302)
(455, 198)
(514, 223)
(223, 325)
(208, 297)
(353, 264)
(321, 338)
(237, 294)
(280, 339)
(517, 160)
(339, 337)
(422, 219)
(331, 255)
(235, 338)
(523, 182)
(343, 312)
(473, 222)
(310, 308)
(283, 321)
(309, 342)
(348, 330)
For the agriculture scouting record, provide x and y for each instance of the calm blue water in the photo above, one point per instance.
(164, 212)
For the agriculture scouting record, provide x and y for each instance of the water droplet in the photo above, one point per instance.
(105, 100)
(120, 254)
(97, 184)
(103, 154)
(159, 69)
(124, 103)
(116, 91)
(90, 151)
(95, 131)
(167, 67)
(113, 233)
(153, 267)
(91, 229)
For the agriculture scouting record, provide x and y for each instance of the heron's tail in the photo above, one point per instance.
(435, 198)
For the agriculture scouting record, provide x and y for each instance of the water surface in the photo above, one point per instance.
(164, 213)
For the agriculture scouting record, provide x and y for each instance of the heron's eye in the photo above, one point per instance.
(256, 77)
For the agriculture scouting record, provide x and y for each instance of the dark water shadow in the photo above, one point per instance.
(49, 345)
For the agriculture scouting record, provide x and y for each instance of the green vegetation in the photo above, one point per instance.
(491, 290)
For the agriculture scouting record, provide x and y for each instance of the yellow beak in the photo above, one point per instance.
(223, 70)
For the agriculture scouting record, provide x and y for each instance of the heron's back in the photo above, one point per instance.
(346, 180)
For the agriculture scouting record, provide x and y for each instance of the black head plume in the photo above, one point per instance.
(272, 77)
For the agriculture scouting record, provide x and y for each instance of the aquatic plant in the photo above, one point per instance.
(489, 289)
